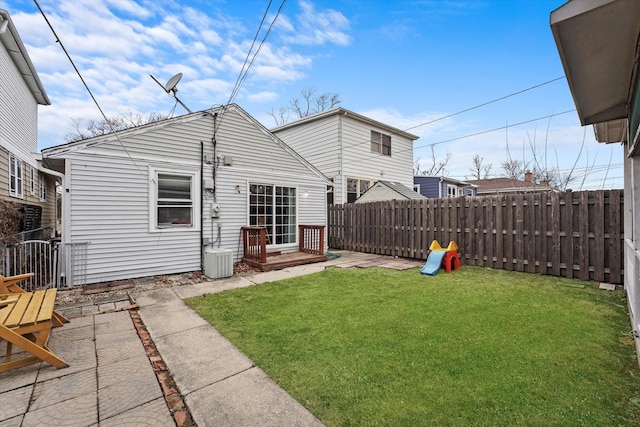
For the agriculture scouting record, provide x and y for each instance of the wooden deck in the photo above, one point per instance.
(278, 262)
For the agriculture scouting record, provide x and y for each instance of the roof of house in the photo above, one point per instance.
(445, 179)
(403, 192)
(13, 44)
(597, 41)
(506, 185)
(345, 112)
(59, 151)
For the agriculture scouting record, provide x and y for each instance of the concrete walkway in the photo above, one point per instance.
(125, 372)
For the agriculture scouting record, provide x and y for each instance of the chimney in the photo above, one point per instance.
(528, 176)
(544, 182)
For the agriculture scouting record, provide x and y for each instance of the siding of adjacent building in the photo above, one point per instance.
(107, 203)
(18, 136)
(339, 145)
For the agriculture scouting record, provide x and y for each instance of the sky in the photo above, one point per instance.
(469, 77)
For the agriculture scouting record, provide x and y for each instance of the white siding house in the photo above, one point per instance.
(598, 42)
(151, 198)
(23, 179)
(352, 150)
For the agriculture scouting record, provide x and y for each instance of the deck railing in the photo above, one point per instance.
(311, 238)
(255, 243)
(311, 241)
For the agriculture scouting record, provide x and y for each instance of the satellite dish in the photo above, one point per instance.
(171, 84)
(170, 87)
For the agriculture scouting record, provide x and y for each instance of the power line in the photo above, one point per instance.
(487, 103)
(465, 110)
(244, 72)
(104, 116)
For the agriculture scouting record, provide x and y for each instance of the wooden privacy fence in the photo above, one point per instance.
(571, 234)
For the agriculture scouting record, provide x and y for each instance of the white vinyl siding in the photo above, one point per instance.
(109, 195)
(18, 111)
(341, 146)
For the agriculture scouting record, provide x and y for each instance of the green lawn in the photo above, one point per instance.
(472, 347)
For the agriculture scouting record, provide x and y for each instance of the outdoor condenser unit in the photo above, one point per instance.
(218, 263)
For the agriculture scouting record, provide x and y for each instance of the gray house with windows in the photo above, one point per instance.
(151, 199)
(352, 150)
(440, 186)
(23, 178)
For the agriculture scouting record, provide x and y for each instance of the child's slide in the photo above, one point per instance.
(434, 261)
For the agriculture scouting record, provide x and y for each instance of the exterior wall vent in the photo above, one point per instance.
(218, 263)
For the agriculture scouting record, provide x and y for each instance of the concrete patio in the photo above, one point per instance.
(158, 363)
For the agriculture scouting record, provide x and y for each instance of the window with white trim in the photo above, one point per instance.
(43, 186)
(356, 188)
(33, 180)
(452, 190)
(380, 143)
(275, 208)
(173, 200)
(15, 176)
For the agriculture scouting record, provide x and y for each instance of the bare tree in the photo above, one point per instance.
(513, 168)
(306, 104)
(92, 127)
(479, 169)
(437, 167)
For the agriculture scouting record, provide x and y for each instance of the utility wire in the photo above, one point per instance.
(244, 72)
(236, 86)
(487, 103)
(104, 116)
(368, 158)
(464, 110)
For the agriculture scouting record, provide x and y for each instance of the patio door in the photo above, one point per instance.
(274, 207)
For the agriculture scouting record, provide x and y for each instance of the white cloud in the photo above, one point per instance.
(317, 27)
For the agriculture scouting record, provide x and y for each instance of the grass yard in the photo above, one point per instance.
(473, 347)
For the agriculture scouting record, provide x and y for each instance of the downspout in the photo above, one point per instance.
(214, 142)
(202, 206)
(56, 174)
(340, 163)
(440, 187)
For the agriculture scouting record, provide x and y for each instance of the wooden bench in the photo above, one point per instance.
(26, 320)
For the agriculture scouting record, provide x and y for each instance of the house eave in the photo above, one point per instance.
(344, 111)
(599, 59)
(13, 44)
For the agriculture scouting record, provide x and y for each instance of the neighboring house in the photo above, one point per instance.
(440, 186)
(23, 179)
(149, 199)
(491, 186)
(598, 42)
(387, 190)
(352, 150)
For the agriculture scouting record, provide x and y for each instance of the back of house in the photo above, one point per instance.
(149, 200)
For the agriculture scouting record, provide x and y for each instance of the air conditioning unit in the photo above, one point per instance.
(218, 263)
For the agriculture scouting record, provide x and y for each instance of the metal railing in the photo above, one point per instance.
(54, 264)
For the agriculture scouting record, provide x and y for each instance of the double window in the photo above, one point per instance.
(452, 190)
(174, 200)
(380, 143)
(15, 176)
(356, 188)
(274, 207)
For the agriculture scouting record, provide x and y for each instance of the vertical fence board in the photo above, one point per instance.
(584, 217)
(597, 225)
(567, 226)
